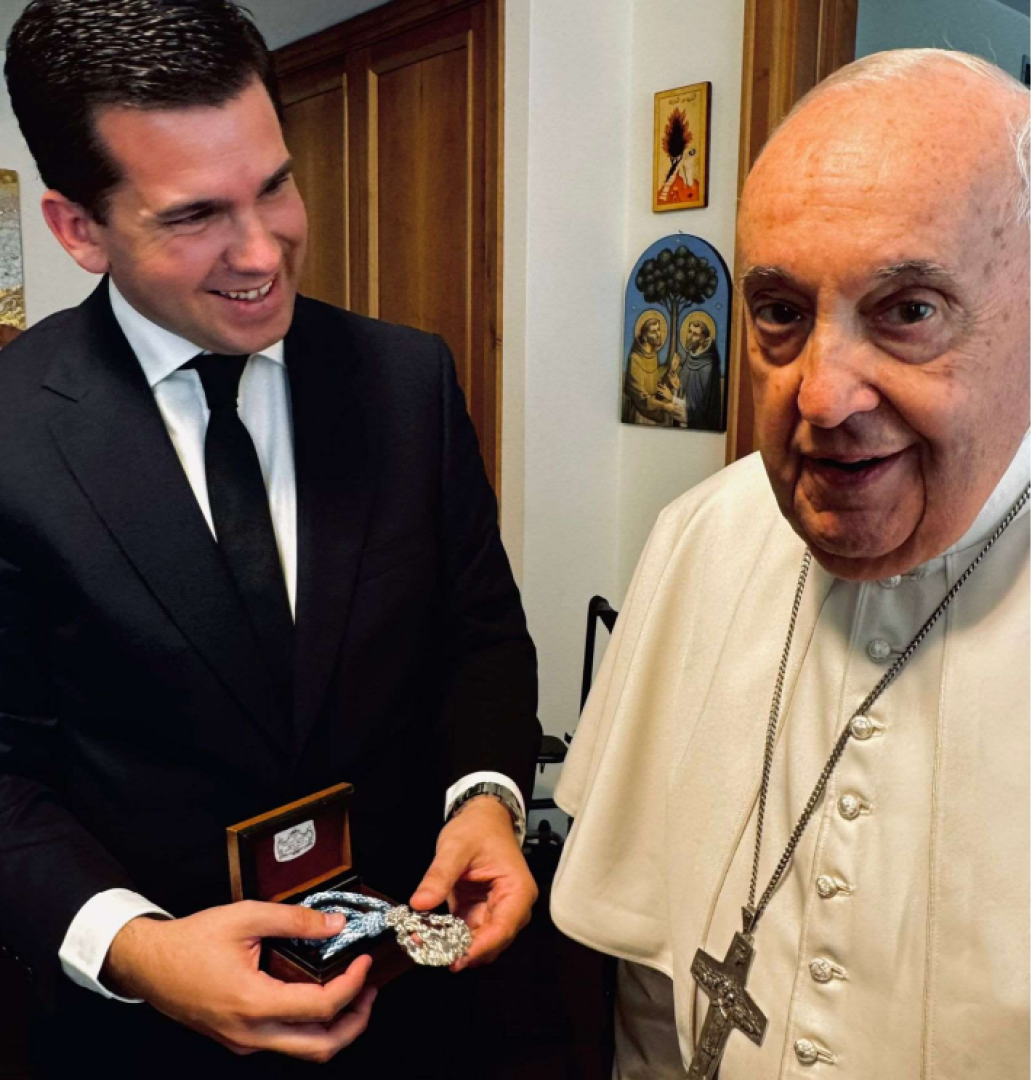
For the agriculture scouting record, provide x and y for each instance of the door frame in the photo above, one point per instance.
(788, 47)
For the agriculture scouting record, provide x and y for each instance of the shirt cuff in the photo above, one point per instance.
(91, 932)
(451, 796)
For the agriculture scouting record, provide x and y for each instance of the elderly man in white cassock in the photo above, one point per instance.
(801, 785)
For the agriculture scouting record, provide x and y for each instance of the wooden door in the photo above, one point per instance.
(314, 130)
(789, 47)
(394, 121)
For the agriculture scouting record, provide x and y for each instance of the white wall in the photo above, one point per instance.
(580, 490)
(983, 27)
(52, 280)
(568, 89)
(675, 44)
(282, 23)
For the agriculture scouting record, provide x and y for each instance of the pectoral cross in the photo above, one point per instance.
(723, 982)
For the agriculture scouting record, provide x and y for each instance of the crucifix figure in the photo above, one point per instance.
(723, 982)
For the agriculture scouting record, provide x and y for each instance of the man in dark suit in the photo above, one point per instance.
(176, 656)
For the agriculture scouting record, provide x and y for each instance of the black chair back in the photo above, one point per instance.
(599, 611)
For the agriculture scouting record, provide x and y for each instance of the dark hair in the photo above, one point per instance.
(68, 58)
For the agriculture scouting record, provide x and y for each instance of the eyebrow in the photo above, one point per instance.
(914, 268)
(197, 206)
(764, 275)
(922, 269)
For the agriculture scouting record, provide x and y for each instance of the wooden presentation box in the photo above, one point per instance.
(298, 849)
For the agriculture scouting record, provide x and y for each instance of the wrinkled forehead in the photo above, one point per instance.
(933, 152)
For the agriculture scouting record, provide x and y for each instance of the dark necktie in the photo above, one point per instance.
(243, 522)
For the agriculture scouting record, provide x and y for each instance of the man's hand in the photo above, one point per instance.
(480, 870)
(203, 972)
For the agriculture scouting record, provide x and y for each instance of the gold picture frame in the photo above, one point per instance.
(680, 148)
(12, 275)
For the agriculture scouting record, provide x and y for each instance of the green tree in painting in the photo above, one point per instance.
(676, 279)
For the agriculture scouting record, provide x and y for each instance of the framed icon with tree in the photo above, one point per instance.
(680, 152)
(677, 324)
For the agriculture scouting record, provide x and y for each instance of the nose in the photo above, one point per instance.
(254, 250)
(835, 382)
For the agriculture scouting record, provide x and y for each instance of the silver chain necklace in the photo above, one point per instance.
(723, 981)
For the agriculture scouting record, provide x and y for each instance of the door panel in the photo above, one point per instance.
(314, 130)
(394, 120)
(421, 253)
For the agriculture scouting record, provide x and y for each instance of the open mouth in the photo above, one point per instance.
(850, 466)
(859, 470)
(249, 296)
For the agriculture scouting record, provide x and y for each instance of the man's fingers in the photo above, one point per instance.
(299, 1003)
(437, 883)
(494, 930)
(259, 919)
(347, 1027)
(317, 1042)
(488, 942)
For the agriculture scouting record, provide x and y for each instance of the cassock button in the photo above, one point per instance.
(823, 971)
(879, 650)
(810, 1053)
(891, 582)
(852, 806)
(828, 886)
(863, 727)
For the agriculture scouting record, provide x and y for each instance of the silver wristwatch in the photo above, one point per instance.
(504, 795)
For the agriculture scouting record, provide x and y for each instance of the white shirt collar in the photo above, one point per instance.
(159, 351)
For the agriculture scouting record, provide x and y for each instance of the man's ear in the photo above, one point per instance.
(76, 231)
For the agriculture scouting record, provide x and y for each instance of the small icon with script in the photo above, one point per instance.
(294, 842)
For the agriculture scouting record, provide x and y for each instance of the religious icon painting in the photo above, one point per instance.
(680, 148)
(12, 285)
(677, 333)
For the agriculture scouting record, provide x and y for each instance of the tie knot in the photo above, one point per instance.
(220, 377)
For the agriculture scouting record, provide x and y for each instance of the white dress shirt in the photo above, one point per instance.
(264, 408)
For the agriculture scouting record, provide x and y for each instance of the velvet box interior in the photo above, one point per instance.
(298, 849)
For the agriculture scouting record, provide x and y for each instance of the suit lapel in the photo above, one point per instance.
(113, 439)
(335, 485)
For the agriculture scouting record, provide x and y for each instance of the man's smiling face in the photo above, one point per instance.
(205, 234)
(886, 285)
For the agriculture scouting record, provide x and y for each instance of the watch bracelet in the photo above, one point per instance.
(503, 795)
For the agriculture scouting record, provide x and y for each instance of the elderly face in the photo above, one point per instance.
(887, 295)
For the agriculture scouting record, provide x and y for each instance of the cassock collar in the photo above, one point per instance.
(159, 351)
(1004, 496)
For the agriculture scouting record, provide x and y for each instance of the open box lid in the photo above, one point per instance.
(291, 849)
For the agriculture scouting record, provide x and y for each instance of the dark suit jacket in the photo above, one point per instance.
(136, 719)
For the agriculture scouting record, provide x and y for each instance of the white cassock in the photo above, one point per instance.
(928, 943)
